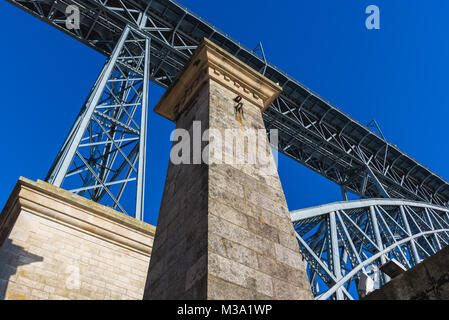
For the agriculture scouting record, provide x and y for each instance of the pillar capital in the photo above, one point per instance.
(210, 62)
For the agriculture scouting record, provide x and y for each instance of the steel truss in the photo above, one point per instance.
(104, 153)
(311, 130)
(340, 240)
(105, 149)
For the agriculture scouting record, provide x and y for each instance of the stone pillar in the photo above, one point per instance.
(57, 245)
(224, 230)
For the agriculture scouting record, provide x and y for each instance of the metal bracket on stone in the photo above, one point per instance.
(238, 107)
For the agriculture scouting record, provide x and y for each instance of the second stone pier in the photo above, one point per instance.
(224, 230)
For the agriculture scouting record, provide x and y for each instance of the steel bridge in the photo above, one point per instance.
(103, 157)
(340, 240)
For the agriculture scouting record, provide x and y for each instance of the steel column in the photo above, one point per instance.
(143, 135)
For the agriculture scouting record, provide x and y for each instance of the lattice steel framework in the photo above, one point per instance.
(311, 130)
(340, 240)
(105, 149)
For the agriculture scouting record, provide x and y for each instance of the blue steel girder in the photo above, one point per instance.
(311, 130)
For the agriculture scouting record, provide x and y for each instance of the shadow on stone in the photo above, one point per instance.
(11, 257)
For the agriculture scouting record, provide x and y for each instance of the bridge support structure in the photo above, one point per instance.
(224, 230)
(56, 245)
(341, 240)
(104, 153)
(103, 157)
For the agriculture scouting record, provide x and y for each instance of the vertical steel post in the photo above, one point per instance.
(344, 193)
(378, 239)
(335, 252)
(140, 196)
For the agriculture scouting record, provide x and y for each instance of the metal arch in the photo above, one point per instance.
(371, 260)
(340, 240)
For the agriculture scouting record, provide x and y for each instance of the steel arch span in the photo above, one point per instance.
(103, 157)
(342, 240)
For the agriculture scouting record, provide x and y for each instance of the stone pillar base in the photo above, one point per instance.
(57, 245)
(224, 229)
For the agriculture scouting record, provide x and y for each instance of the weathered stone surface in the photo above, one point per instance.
(428, 280)
(56, 245)
(227, 232)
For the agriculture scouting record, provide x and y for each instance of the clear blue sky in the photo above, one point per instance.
(397, 75)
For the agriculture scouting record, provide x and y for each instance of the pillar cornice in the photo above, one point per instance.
(210, 62)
